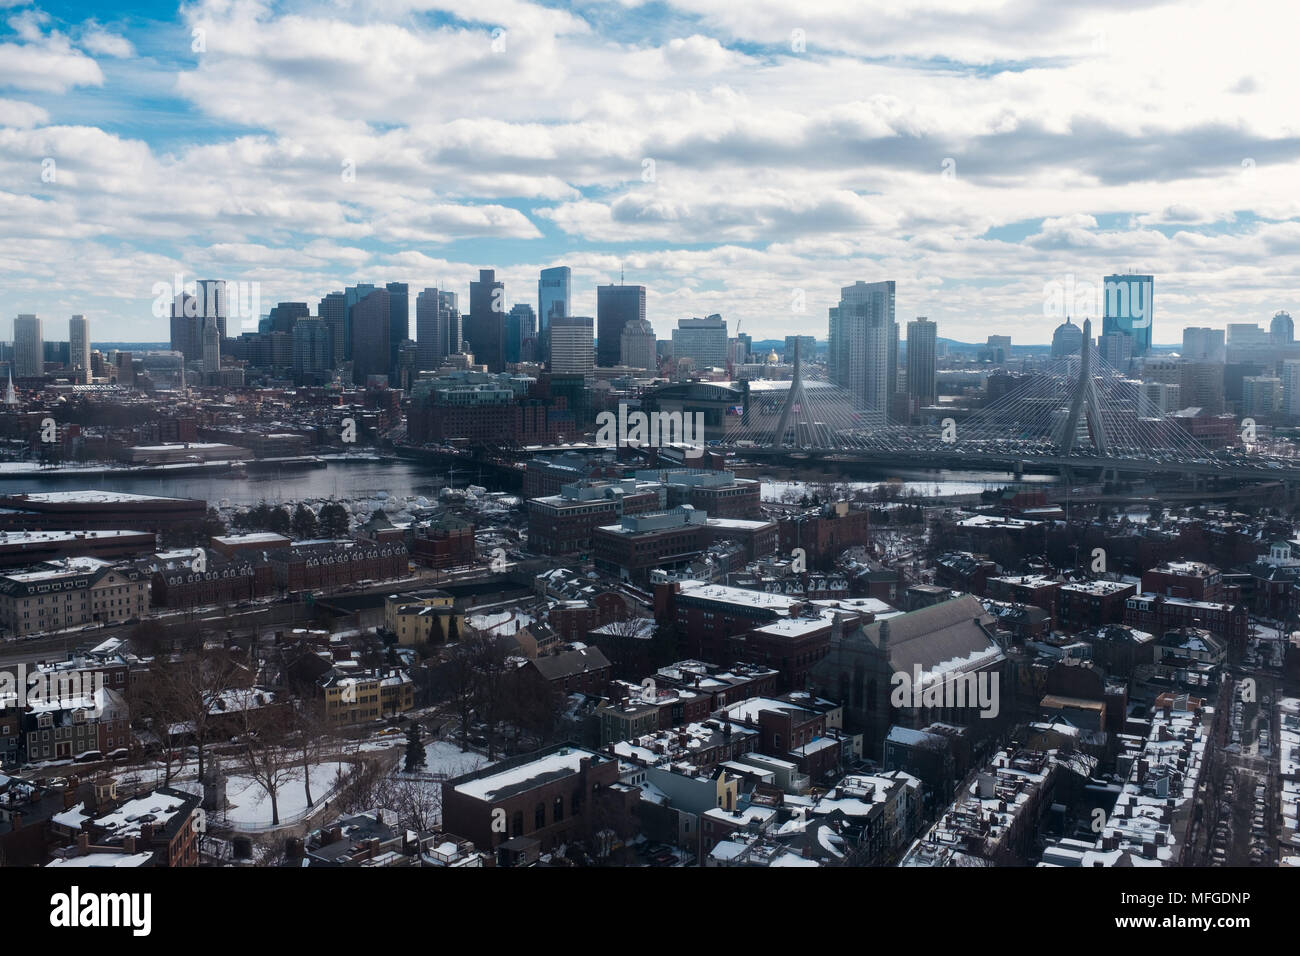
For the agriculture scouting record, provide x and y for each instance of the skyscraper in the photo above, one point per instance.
(399, 323)
(1203, 345)
(29, 347)
(617, 305)
(313, 351)
(486, 327)
(863, 355)
(284, 314)
(922, 339)
(572, 351)
(554, 295)
(352, 295)
(1281, 331)
(637, 347)
(79, 347)
(370, 327)
(211, 350)
(1129, 308)
(521, 333)
(704, 341)
(333, 311)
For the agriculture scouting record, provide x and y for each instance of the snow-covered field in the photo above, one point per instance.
(249, 805)
(443, 757)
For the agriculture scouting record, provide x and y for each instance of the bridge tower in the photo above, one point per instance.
(793, 398)
(1084, 401)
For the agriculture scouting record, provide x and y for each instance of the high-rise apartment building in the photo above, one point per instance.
(922, 342)
(370, 329)
(486, 326)
(863, 355)
(616, 305)
(29, 347)
(572, 349)
(79, 348)
(1128, 308)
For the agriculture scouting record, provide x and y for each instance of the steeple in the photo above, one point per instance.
(11, 397)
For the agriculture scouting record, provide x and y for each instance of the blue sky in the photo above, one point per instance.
(734, 158)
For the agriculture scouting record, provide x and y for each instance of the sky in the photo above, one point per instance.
(742, 158)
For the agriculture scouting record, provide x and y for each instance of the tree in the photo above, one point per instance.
(191, 687)
(279, 520)
(264, 754)
(309, 727)
(334, 521)
(304, 523)
(414, 749)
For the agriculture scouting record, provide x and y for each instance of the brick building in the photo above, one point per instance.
(1082, 604)
(554, 797)
(563, 523)
(334, 564)
(826, 533)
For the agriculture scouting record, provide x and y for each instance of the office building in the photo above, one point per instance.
(486, 326)
(333, 311)
(1204, 345)
(312, 348)
(572, 349)
(399, 323)
(1116, 348)
(1281, 331)
(1129, 308)
(807, 348)
(285, 314)
(79, 348)
(29, 349)
(703, 341)
(1261, 395)
(352, 295)
(922, 339)
(370, 328)
(637, 347)
(554, 295)
(211, 350)
(521, 333)
(617, 305)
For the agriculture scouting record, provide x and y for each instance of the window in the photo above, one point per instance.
(559, 809)
(539, 816)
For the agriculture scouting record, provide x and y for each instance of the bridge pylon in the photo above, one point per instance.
(1084, 401)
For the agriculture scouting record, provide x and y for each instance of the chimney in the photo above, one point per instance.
(146, 833)
(83, 842)
(128, 844)
(17, 819)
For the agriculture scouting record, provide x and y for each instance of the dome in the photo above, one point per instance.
(772, 357)
(1067, 339)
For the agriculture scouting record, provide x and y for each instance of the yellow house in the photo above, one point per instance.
(424, 616)
(355, 698)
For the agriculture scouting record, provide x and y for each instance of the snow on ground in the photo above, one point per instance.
(249, 805)
(444, 757)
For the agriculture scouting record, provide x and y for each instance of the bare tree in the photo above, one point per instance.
(309, 728)
(264, 752)
(418, 803)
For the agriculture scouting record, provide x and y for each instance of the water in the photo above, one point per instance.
(342, 481)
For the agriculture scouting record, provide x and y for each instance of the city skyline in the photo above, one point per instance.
(937, 155)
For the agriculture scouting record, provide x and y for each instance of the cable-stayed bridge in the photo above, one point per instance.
(1074, 413)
